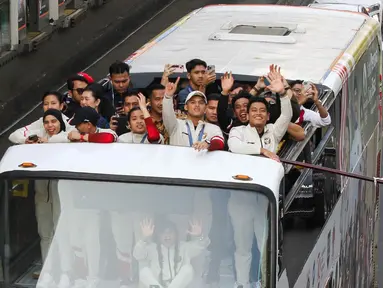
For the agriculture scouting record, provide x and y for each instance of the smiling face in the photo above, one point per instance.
(52, 102)
(240, 109)
(51, 125)
(258, 115)
(168, 237)
(87, 99)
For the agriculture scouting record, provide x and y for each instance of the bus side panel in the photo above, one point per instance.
(342, 255)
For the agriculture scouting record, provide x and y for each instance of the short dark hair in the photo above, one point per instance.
(119, 67)
(97, 90)
(257, 99)
(154, 87)
(131, 111)
(57, 94)
(193, 63)
(295, 82)
(213, 97)
(241, 94)
(129, 93)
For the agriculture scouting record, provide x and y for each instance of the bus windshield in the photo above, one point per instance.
(144, 235)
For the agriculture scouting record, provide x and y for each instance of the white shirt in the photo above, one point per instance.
(314, 118)
(20, 135)
(187, 250)
(246, 140)
(137, 138)
(182, 132)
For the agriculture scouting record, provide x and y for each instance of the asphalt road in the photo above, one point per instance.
(23, 81)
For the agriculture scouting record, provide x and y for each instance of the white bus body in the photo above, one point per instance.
(330, 48)
(327, 47)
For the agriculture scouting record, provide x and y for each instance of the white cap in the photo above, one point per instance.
(196, 93)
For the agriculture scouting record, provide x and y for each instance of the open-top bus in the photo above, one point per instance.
(338, 51)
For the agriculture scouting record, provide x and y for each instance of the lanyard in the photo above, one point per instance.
(200, 135)
(190, 89)
(144, 138)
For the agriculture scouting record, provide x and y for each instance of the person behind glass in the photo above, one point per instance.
(119, 122)
(193, 131)
(257, 137)
(85, 121)
(76, 85)
(120, 79)
(168, 260)
(50, 100)
(47, 202)
(199, 79)
(93, 96)
(141, 125)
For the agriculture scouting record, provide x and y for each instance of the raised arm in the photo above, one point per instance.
(277, 86)
(168, 114)
(227, 82)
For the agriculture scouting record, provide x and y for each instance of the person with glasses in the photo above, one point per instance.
(93, 96)
(76, 85)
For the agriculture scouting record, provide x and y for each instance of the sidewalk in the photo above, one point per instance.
(34, 39)
(25, 78)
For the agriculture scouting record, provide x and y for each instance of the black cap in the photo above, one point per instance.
(84, 115)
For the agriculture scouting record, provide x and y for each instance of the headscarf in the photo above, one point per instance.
(58, 115)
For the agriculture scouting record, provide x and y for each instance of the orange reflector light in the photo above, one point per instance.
(27, 165)
(242, 177)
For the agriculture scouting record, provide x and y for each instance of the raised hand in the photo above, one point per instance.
(227, 82)
(147, 227)
(275, 79)
(195, 228)
(209, 78)
(171, 88)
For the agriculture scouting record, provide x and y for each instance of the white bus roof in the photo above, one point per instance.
(310, 51)
(364, 3)
(144, 160)
(320, 37)
(337, 6)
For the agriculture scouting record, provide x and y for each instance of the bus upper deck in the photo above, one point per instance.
(325, 47)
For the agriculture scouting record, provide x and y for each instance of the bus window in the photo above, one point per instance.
(105, 228)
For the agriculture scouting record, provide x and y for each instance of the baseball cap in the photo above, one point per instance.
(81, 76)
(84, 115)
(196, 93)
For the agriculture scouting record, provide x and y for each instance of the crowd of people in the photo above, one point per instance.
(201, 112)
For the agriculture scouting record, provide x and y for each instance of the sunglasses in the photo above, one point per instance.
(79, 90)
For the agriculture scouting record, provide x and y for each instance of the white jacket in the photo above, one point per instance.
(178, 130)
(62, 137)
(147, 253)
(137, 138)
(20, 135)
(246, 140)
(314, 118)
